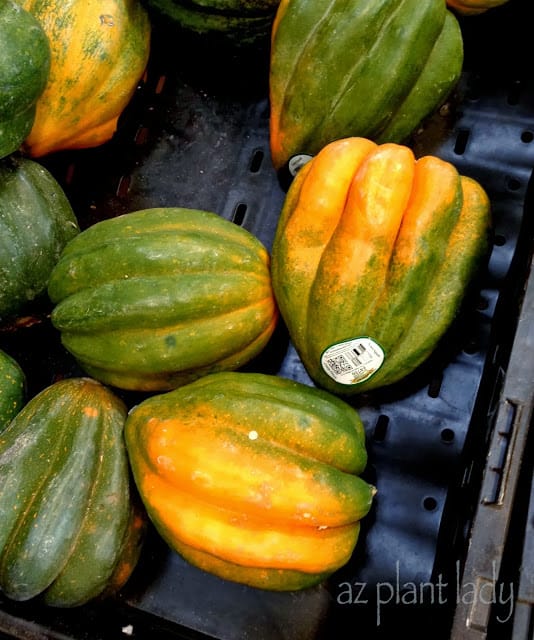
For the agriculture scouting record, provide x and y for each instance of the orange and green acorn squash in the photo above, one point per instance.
(36, 222)
(370, 68)
(153, 299)
(70, 529)
(252, 477)
(24, 68)
(99, 51)
(473, 7)
(371, 259)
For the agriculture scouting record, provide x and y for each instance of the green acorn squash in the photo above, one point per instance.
(36, 222)
(252, 477)
(153, 299)
(24, 69)
(372, 256)
(369, 68)
(12, 389)
(69, 528)
(236, 22)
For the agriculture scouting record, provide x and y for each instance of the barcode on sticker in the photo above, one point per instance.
(352, 361)
(339, 364)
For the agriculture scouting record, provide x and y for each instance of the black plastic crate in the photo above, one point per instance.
(196, 135)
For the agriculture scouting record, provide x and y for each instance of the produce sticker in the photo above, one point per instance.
(352, 361)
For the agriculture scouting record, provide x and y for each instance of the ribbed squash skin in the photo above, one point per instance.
(99, 51)
(252, 477)
(36, 222)
(153, 299)
(12, 389)
(369, 68)
(24, 68)
(372, 243)
(240, 22)
(473, 7)
(68, 527)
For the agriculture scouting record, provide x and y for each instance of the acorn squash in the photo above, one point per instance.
(153, 299)
(372, 256)
(369, 68)
(24, 69)
(252, 477)
(12, 389)
(236, 22)
(99, 51)
(36, 222)
(69, 528)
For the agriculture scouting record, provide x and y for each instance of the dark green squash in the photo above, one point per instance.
(153, 299)
(12, 389)
(240, 23)
(36, 222)
(369, 68)
(24, 69)
(69, 529)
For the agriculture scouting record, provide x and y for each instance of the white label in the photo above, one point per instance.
(297, 162)
(352, 361)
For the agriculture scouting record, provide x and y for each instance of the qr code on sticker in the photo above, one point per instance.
(339, 364)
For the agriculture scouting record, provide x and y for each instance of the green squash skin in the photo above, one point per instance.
(12, 389)
(65, 503)
(299, 426)
(36, 222)
(356, 85)
(155, 298)
(244, 23)
(24, 69)
(441, 73)
(464, 257)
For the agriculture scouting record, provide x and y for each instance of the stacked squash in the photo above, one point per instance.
(71, 527)
(249, 476)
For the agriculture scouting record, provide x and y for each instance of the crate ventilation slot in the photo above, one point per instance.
(381, 427)
(240, 212)
(462, 138)
(256, 161)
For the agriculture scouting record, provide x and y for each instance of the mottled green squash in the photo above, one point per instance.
(36, 222)
(369, 68)
(12, 389)
(237, 22)
(153, 299)
(24, 69)
(69, 529)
